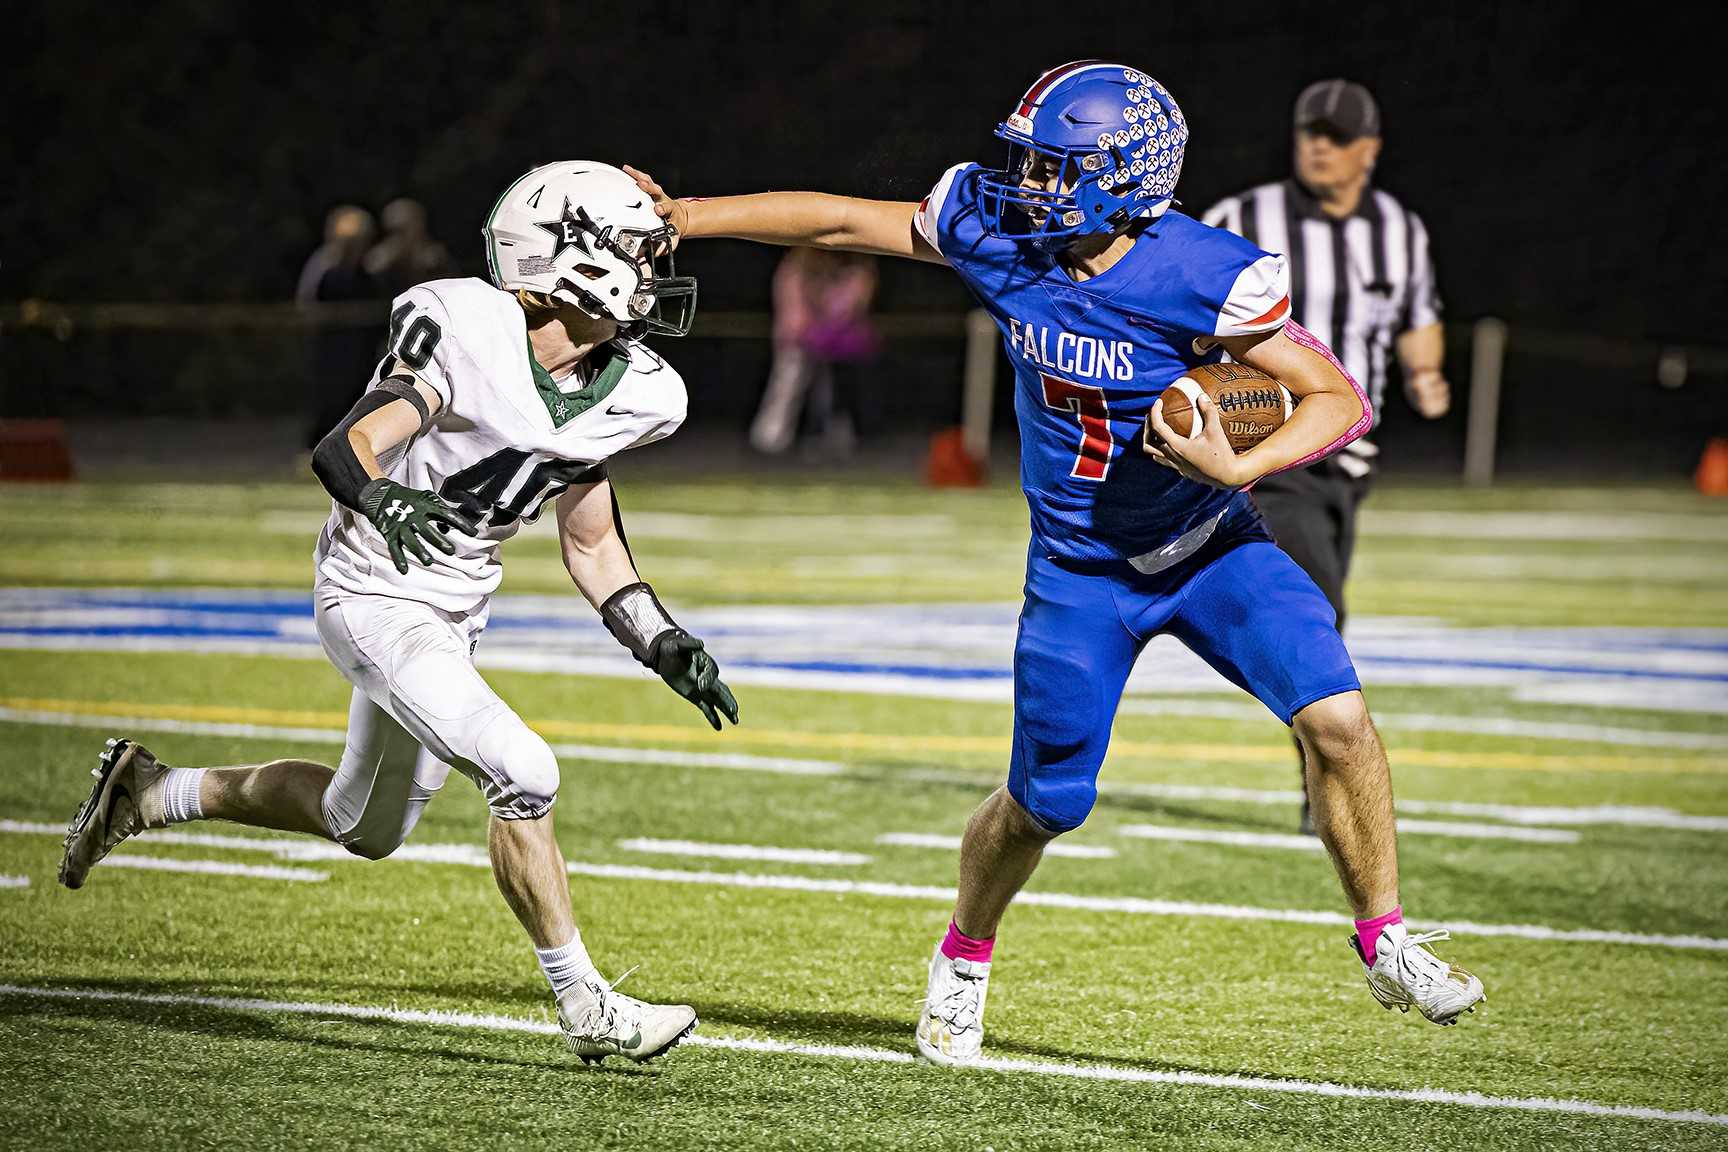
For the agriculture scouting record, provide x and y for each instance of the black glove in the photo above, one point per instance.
(409, 518)
(689, 671)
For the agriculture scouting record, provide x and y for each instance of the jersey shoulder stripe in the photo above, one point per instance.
(928, 218)
(1258, 300)
(950, 221)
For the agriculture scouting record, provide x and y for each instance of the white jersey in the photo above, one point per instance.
(505, 439)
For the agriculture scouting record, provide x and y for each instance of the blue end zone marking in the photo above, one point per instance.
(252, 616)
(297, 605)
(123, 630)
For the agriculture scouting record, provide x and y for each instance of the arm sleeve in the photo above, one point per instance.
(421, 337)
(1258, 301)
(928, 218)
(1422, 303)
(334, 461)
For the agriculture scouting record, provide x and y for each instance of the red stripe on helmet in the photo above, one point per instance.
(1043, 83)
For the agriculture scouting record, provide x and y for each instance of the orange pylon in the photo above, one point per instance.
(1712, 475)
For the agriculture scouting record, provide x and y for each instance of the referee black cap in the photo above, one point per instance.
(1337, 108)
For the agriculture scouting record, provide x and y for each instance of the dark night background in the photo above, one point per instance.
(1569, 163)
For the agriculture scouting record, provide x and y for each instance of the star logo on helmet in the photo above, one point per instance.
(570, 230)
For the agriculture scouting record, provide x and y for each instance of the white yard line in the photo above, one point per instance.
(1466, 831)
(781, 765)
(1130, 905)
(1543, 730)
(1630, 817)
(952, 844)
(1547, 526)
(182, 727)
(214, 868)
(473, 855)
(1710, 699)
(1312, 844)
(1465, 724)
(1287, 840)
(1107, 1072)
(743, 852)
(602, 752)
(14, 881)
(1510, 813)
(1424, 566)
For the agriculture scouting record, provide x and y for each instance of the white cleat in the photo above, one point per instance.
(951, 1024)
(1405, 974)
(125, 800)
(598, 1022)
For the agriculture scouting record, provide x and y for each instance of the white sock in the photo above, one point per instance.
(565, 967)
(180, 795)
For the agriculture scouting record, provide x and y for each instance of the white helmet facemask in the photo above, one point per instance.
(584, 233)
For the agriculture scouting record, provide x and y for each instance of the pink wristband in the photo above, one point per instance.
(1307, 340)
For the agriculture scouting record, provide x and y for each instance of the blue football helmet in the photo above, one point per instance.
(1114, 136)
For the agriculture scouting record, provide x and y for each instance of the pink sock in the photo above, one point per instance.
(1368, 931)
(959, 946)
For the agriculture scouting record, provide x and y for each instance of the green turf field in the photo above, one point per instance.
(1154, 992)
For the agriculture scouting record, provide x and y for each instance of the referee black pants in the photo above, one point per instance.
(1312, 514)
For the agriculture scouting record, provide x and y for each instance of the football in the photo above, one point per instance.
(1252, 404)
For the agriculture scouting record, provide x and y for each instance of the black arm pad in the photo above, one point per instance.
(334, 461)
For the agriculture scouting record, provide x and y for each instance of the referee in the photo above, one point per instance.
(1360, 277)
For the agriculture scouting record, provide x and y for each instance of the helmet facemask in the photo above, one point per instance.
(1015, 207)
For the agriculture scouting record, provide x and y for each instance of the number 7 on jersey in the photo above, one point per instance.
(1086, 402)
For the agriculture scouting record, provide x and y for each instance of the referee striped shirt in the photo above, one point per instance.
(1357, 282)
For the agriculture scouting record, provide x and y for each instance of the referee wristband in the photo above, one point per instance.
(635, 618)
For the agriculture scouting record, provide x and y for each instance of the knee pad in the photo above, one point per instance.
(372, 840)
(520, 767)
(1056, 803)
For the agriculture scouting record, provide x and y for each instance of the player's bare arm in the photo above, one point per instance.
(1329, 406)
(588, 536)
(797, 219)
(599, 561)
(346, 463)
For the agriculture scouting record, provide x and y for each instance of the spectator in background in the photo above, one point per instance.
(1361, 279)
(407, 255)
(342, 353)
(822, 333)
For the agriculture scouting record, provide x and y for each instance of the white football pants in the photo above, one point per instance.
(419, 708)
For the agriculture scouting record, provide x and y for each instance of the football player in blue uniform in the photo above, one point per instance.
(1105, 294)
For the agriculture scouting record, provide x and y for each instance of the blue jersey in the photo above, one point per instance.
(1089, 359)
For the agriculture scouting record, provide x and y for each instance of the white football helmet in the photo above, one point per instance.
(584, 233)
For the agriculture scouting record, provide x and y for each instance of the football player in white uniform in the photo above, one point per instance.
(495, 398)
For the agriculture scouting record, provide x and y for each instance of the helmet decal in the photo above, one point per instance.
(567, 231)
